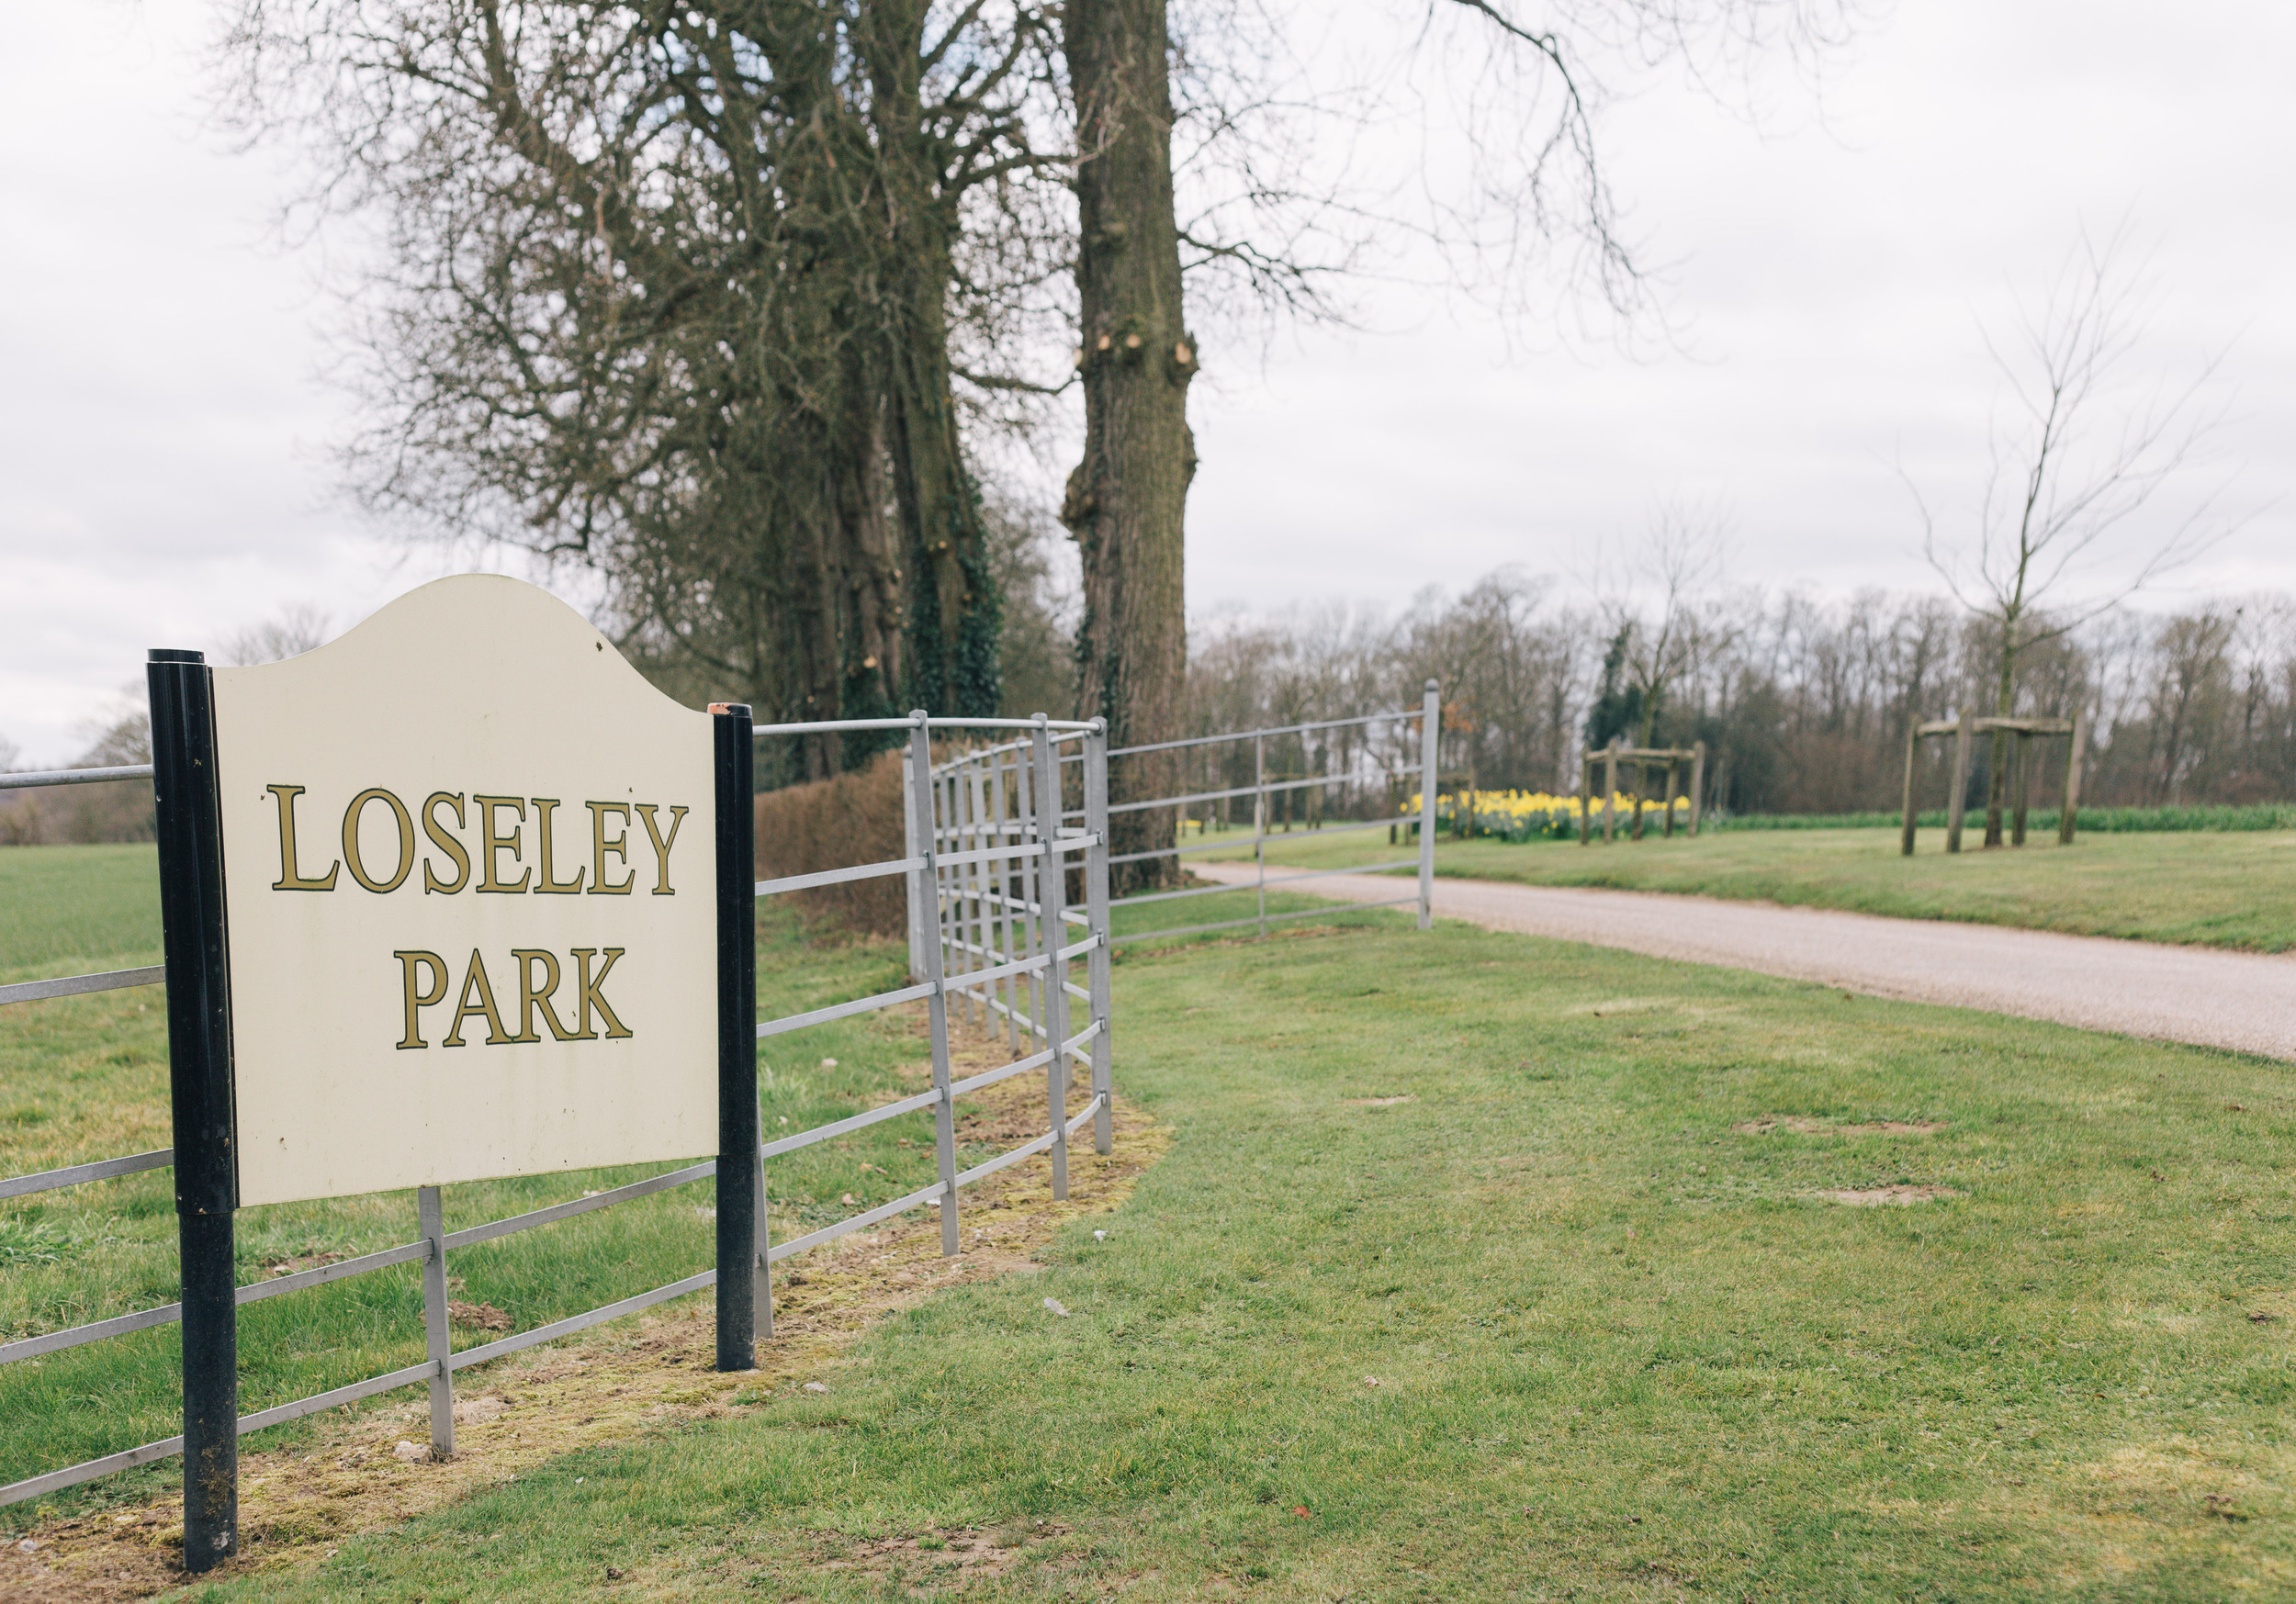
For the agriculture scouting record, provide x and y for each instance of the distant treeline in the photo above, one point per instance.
(1803, 703)
(114, 809)
(63, 815)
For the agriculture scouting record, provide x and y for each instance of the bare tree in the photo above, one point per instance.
(2192, 693)
(119, 731)
(2077, 458)
(295, 629)
(1661, 606)
(1801, 700)
(671, 292)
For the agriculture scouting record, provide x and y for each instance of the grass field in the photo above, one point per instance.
(1489, 1268)
(1480, 1267)
(67, 910)
(2212, 889)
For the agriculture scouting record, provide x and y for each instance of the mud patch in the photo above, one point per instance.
(94, 1559)
(477, 1411)
(927, 1564)
(613, 1384)
(478, 1317)
(1887, 1196)
(1801, 1124)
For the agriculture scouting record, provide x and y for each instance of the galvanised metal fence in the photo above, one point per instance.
(989, 909)
(991, 914)
(1367, 782)
(1036, 848)
(995, 894)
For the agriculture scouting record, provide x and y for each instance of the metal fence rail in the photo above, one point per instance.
(1428, 718)
(988, 848)
(1029, 848)
(74, 776)
(73, 1174)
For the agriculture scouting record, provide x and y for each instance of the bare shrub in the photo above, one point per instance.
(832, 824)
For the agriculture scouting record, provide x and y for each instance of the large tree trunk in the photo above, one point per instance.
(1126, 500)
(816, 588)
(955, 612)
(871, 571)
(954, 609)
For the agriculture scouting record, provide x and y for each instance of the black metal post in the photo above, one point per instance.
(190, 834)
(737, 1182)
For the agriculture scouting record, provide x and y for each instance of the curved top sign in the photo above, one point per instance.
(469, 883)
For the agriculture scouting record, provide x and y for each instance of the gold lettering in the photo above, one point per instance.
(530, 997)
(351, 840)
(409, 961)
(474, 979)
(491, 845)
(445, 843)
(661, 847)
(620, 847)
(593, 994)
(289, 879)
(543, 805)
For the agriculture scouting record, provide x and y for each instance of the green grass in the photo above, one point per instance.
(1229, 910)
(65, 910)
(2093, 820)
(85, 1078)
(1623, 1351)
(2208, 888)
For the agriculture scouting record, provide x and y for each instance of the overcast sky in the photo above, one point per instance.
(164, 476)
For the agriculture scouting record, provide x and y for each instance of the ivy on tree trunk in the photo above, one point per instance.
(955, 612)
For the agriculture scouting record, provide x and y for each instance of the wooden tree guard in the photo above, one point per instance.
(1964, 729)
(1619, 752)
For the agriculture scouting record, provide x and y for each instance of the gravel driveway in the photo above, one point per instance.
(2238, 1000)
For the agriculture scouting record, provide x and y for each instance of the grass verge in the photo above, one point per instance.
(2213, 889)
(1483, 1267)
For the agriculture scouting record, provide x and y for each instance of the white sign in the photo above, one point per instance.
(471, 880)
